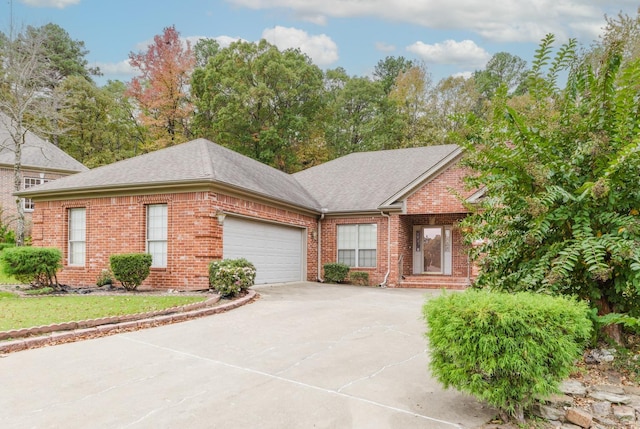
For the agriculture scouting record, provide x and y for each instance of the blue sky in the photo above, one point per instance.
(451, 37)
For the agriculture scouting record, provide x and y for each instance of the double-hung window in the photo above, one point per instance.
(157, 226)
(357, 245)
(77, 236)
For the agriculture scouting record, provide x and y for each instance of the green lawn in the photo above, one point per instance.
(17, 312)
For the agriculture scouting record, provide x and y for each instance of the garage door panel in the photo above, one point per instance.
(275, 250)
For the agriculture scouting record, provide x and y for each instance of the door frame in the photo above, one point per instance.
(446, 249)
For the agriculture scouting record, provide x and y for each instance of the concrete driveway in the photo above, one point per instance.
(303, 356)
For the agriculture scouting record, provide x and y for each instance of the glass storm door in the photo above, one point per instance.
(432, 249)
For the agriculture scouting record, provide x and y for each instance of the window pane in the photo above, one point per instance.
(158, 251)
(347, 257)
(76, 253)
(367, 236)
(366, 258)
(347, 236)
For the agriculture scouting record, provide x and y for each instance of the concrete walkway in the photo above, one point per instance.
(303, 355)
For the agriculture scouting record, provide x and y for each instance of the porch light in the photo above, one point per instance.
(220, 215)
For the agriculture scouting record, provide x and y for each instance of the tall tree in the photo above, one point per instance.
(26, 95)
(454, 107)
(561, 211)
(259, 101)
(99, 122)
(205, 49)
(387, 70)
(162, 88)
(410, 94)
(502, 69)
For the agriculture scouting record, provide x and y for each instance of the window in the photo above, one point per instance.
(357, 245)
(77, 236)
(27, 182)
(157, 234)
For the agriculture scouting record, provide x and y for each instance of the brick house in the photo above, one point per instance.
(390, 213)
(41, 162)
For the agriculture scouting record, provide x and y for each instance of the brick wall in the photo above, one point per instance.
(439, 195)
(330, 246)
(117, 225)
(8, 201)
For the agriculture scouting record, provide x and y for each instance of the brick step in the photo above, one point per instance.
(434, 282)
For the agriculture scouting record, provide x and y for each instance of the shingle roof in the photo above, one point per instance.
(363, 181)
(36, 153)
(196, 161)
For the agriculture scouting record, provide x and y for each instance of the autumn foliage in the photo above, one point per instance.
(162, 88)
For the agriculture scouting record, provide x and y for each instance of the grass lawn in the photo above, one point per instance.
(17, 312)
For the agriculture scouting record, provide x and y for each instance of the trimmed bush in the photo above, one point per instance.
(359, 278)
(505, 349)
(104, 278)
(335, 272)
(6, 245)
(229, 277)
(130, 269)
(34, 265)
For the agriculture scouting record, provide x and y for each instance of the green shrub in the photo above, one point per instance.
(505, 349)
(335, 272)
(130, 269)
(231, 276)
(35, 265)
(6, 245)
(104, 278)
(359, 278)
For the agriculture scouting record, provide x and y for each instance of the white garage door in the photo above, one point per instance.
(275, 250)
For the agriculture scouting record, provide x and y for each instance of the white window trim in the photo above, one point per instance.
(27, 203)
(164, 240)
(71, 261)
(357, 248)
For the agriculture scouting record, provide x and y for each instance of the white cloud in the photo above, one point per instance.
(385, 47)
(322, 50)
(464, 74)
(465, 53)
(58, 4)
(123, 68)
(503, 21)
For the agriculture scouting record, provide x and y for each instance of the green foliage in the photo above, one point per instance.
(506, 349)
(259, 101)
(39, 291)
(131, 269)
(335, 272)
(6, 246)
(561, 209)
(229, 277)
(358, 277)
(35, 265)
(104, 278)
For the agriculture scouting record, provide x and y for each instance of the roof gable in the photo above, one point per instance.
(367, 181)
(37, 153)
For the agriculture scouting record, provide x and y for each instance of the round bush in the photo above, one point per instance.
(505, 349)
(229, 277)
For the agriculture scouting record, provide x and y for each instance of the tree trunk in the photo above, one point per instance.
(611, 331)
(17, 186)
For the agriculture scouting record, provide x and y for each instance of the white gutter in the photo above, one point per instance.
(324, 211)
(386, 276)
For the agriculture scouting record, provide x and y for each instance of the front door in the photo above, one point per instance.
(432, 249)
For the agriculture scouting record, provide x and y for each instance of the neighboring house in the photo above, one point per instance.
(390, 213)
(41, 162)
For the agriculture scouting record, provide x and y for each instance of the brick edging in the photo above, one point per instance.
(74, 331)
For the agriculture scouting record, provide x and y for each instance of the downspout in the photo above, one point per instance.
(386, 276)
(324, 211)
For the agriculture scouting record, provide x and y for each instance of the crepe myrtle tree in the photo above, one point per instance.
(561, 208)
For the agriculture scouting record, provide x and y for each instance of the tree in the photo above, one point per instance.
(162, 89)
(561, 208)
(387, 70)
(99, 122)
(454, 108)
(205, 49)
(410, 93)
(26, 99)
(502, 69)
(259, 101)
